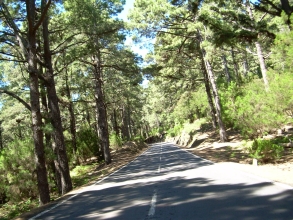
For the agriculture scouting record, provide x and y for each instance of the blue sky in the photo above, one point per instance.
(123, 15)
(128, 5)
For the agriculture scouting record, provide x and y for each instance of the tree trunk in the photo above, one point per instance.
(115, 124)
(288, 10)
(72, 120)
(259, 52)
(226, 68)
(87, 115)
(1, 139)
(286, 7)
(262, 64)
(235, 66)
(209, 95)
(58, 136)
(48, 137)
(41, 170)
(129, 120)
(125, 126)
(209, 71)
(245, 66)
(101, 110)
(223, 135)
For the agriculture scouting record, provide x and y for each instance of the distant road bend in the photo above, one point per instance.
(166, 182)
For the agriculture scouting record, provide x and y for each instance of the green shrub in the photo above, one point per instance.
(115, 141)
(17, 171)
(176, 130)
(138, 139)
(87, 143)
(265, 150)
(11, 210)
(255, 111)
(191, 106)
(190, 128)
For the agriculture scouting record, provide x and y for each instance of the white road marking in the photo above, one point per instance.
(86, 188)
(153, 204)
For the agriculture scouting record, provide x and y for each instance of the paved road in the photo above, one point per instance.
(167, 182)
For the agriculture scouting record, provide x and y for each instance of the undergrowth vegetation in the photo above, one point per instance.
(255, 111)
(265, 150)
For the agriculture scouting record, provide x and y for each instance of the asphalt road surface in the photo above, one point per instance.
(166, 182)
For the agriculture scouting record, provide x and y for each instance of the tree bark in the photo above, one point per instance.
(235, 66)
(209, 95)
(286, 7)
(226, 68)
(259, 52)
(41, 170)
(48, 137)
(245, 66)
(262, 64)
(1, 139)
(72, 120)
(58, 136)
(115, 124)
(125, 126)
(88, 115)
(129, 120)
(101, 110)
(223, 134)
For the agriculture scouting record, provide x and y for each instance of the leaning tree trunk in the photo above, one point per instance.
(223, 135)
(226, 68)
(209, 95)
(101, 110)
(259, 52)
(59, 146)
(262, 64)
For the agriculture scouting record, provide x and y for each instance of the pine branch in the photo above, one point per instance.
(43, 15)
(13, 95)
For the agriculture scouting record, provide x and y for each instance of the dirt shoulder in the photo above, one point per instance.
(232, 154)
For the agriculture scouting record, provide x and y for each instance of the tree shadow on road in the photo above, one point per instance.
(184, 188)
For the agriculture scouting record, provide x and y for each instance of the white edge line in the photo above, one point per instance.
(65, 200)
(283, 185)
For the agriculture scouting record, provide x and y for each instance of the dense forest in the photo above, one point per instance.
(71, 89)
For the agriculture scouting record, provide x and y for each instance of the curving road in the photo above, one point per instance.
(166, 182)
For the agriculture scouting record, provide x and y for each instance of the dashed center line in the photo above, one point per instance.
(153, 204)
